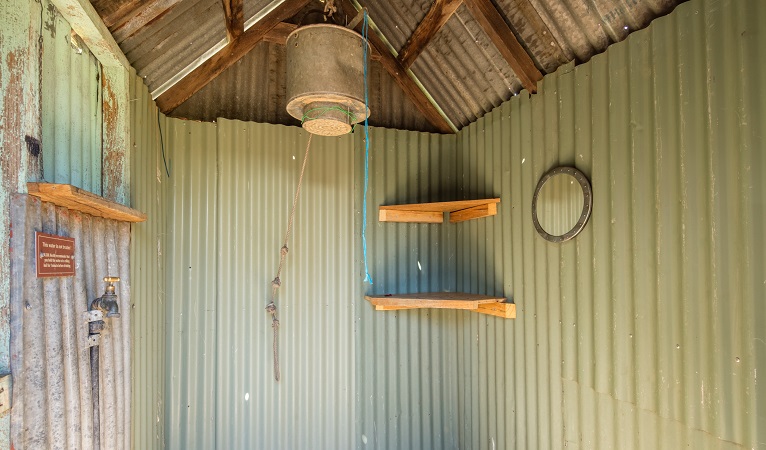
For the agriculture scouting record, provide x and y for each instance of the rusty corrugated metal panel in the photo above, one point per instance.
(583, 28)
(464, 71)
(253, 90)
(647, 330)
(149, 185)
(71, 106)
(405, 360)
(166, 46)
(20, 135)
(52, 403)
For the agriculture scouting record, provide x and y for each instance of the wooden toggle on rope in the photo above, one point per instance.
(271, 308)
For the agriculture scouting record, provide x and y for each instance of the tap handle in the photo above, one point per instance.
(111, 279)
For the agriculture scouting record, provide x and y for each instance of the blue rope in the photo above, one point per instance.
(367, 276)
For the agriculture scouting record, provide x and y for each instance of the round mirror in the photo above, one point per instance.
(562, 204)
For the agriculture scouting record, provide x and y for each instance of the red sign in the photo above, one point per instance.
(55, 255)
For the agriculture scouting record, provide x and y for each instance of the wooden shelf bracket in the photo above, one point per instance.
(482, 304)
(459, 211)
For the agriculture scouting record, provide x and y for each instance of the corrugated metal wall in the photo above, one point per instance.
(148, 252)
(190, 380)
(405, 360)
(71, 106)
(19, 130)
(50, 358)
(648, 330)
(231, 192)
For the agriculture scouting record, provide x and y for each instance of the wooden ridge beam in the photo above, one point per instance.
(234, 17)
(126, 22)
(403, 79)
(492, 22)
(233, 52)
(437, 16)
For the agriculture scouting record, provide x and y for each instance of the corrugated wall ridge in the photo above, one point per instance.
(232, 185)
(259, 165)
(405, 362)
(647, 330)
(72, 97)
(149, 188)
(51, 363)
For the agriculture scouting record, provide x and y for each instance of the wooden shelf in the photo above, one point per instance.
(76, 199)
(484, 304)
(460, 211)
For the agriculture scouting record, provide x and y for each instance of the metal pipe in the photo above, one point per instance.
(94, 369)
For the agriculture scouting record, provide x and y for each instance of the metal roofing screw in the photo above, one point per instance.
(737, 359)
(28, 306)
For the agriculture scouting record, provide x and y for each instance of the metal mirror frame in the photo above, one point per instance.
(587, 206)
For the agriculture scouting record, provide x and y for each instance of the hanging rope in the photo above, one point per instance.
(367, 277)
(271, 308)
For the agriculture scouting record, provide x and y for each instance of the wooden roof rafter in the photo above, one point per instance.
(134, 15)
(227, 56)
(234, 16)
(404, 77)
(435, 19)
(492, 22)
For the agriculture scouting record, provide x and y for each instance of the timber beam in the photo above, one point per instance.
(230, 54)
(492, 22)
(435, 19)
(403, 78)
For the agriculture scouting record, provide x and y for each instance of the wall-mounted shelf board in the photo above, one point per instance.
(483, 304)
(460, 211)
(76, 199)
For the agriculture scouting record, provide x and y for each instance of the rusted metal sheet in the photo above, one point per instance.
(583, 29)
(166, 46)
(20, 136)
(51, 366)
(116, 134)
(148, 261)
(646, 331)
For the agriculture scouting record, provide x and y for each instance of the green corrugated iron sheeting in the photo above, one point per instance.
(149, 194)
(231, 189)
(71, 106)
(406, 365)
(647, 330)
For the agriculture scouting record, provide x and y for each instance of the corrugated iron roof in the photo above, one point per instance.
(461, 69)
(254, 90)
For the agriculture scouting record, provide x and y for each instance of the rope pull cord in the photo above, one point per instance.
(271, 308)
(365, 30)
